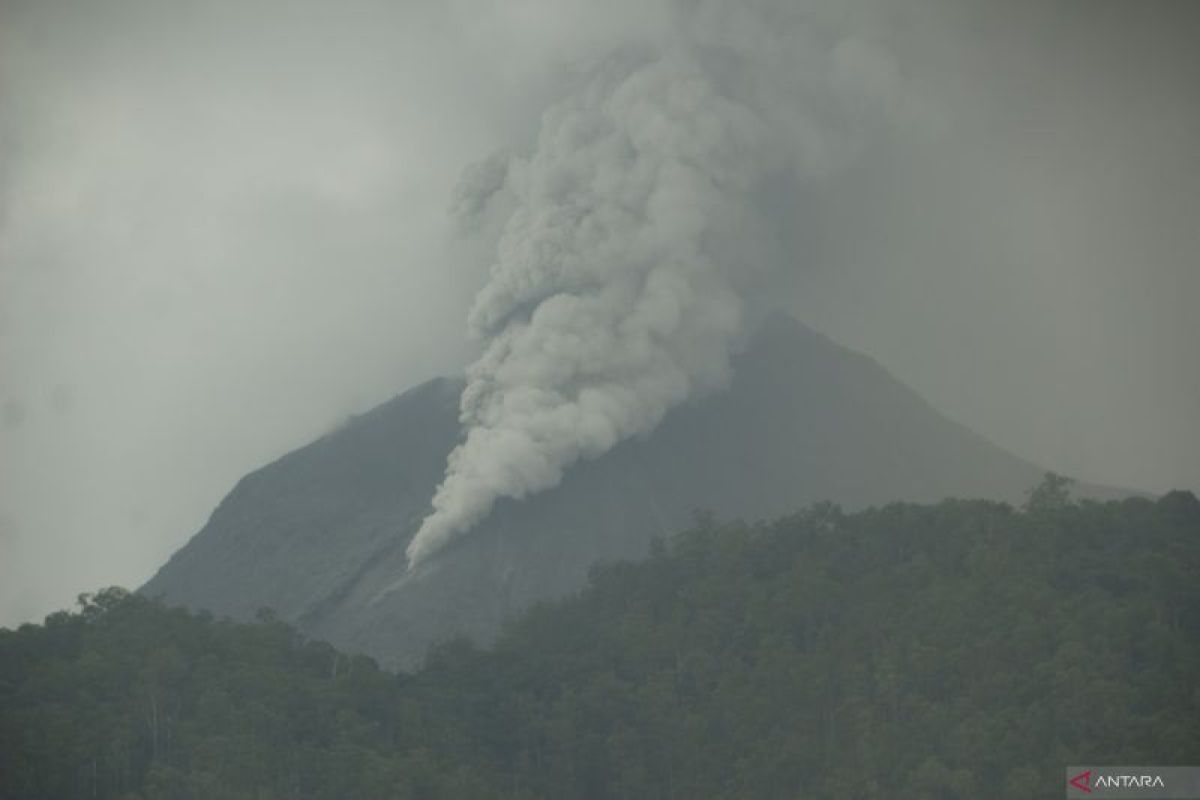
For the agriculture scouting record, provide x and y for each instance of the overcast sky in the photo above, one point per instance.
(223, 229)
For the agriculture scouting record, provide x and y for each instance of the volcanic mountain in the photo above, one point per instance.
(319, 536)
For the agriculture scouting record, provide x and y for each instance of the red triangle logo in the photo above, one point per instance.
(1082, 780)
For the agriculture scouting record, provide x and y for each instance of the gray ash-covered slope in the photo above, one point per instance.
(319, 536)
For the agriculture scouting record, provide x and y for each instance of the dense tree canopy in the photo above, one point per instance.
(965, 649)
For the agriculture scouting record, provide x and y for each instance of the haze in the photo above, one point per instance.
(223, 230)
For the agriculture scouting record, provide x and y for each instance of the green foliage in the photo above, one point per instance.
(1053, 492)
(957, 650)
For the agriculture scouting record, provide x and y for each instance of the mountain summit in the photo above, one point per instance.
(319, 536)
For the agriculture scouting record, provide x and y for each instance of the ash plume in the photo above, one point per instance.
(625, 270)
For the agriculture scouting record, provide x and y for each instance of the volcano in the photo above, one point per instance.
(319, 536)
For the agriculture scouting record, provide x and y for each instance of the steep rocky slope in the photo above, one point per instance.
(319, 535)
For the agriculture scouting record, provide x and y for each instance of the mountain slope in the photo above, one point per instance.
(319, 536)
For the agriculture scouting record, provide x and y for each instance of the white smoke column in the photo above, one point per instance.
(606, 307)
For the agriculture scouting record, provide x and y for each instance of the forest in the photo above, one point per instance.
(963, 649)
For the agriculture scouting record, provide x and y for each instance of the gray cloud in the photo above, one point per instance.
(1033, 272)
(618, 289)
(223, 228)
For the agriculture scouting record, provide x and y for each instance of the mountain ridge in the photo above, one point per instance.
(319, 535)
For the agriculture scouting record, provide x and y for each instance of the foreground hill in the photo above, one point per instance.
(319, 536)
(957, 650)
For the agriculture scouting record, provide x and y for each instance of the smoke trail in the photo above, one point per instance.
(613, 296)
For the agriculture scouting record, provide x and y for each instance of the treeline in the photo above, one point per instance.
(965, 649)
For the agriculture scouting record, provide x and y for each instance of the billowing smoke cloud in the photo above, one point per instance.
(621, 277)
(216, 228)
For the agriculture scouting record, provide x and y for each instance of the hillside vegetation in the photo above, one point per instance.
(965, 649)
